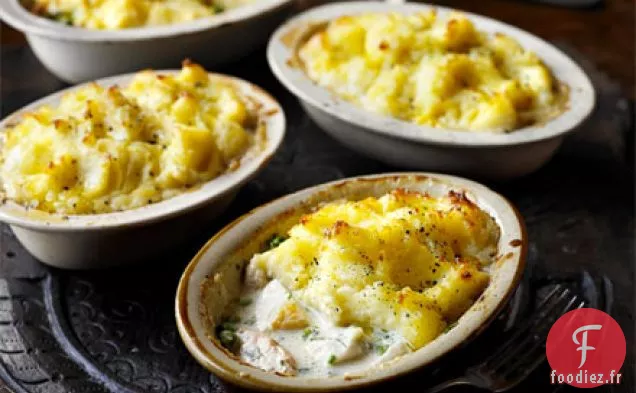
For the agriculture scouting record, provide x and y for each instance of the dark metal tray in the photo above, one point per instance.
(114, 330)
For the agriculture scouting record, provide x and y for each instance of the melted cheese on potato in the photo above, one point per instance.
(404, 262)
(439, 72)
(108, 149)
(120, 14)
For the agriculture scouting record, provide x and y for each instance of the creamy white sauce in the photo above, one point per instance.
(321, 349)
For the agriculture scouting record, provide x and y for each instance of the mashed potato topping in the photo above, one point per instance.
(439, 72)
(105, 149)
(406, 262)
(120, 14)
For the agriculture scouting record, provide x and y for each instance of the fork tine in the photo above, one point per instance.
(537, 339)
(515, 344)
(537, 325)
(558, 291)
(535, 361)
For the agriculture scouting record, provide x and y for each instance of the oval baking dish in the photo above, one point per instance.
(192, 312)
(98, 240)
(415, 146)
(77, 54)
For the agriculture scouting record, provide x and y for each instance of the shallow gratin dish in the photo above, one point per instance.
(100, 240)
(190, 310)
(414, 146)
(77, 54)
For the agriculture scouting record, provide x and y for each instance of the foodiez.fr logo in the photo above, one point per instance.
(586, 348)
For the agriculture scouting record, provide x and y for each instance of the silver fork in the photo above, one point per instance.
(523, 352)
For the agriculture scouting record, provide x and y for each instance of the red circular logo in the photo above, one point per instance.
(586, 348)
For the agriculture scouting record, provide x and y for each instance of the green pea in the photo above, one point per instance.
(227, 338)
(275, 241)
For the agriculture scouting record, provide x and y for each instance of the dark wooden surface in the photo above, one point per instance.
(114, 331)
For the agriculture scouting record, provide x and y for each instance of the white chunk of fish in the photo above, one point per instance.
(336, 344)
(261, 351)
(397, 348)
(268, 304)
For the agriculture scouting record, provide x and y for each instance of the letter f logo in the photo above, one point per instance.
(583, 345)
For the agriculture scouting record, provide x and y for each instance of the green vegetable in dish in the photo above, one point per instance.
(63, 17)
(380, 349)
(228, 339)
(275, 241)
(218, 7)
(450, 327)
(308, 332)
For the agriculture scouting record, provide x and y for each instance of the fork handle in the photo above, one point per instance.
(449, 384)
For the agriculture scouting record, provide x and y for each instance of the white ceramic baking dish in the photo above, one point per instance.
(194, 312)
(100, 240)
(413, 146)
(77, 54)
